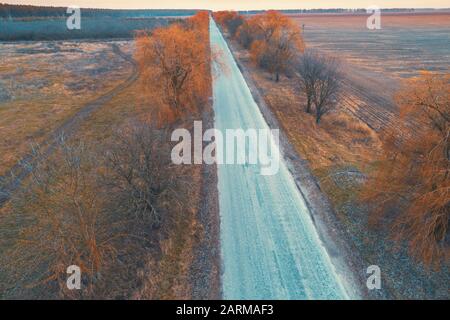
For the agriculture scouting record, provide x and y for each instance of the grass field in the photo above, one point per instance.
(376, 61)
(42, 92)
(44, 83)
(169, 273)
(405, 45)
(89, 83)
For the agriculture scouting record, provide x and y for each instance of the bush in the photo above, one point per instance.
(102, 211)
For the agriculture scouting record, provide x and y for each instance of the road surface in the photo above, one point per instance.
(269, 245)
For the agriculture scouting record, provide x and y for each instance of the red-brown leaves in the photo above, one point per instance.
(273, 39)
(230, 20)
(277, 41)
(174, 64)
(414, 180)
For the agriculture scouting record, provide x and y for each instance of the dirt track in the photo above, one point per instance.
(12, 179)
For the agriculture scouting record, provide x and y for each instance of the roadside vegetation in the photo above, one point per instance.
(411, 186)
(320, 83)
(389, 186)
(275, 44)
(272, 38)
(108, 198)
(174, 68)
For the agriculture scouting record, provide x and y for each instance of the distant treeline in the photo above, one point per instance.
(333, 10)
(99, 28)
(9, 11)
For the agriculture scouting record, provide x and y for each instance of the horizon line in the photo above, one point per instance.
(266, 9)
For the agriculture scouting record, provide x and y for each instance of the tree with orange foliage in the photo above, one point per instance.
(267, 24)
(174, 65)
(229, 19)
(199, 23)
(277, 41)
(414, 181)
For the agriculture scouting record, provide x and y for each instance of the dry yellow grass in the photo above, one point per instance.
(340, 141)
(168, 277)
(165, 276)
(42, 96)
(102, 123)
(30, 121)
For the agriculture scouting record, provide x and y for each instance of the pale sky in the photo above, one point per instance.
(236, 4)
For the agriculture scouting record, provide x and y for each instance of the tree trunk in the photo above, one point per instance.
(277, 77)
(308, 105)
(318, 116)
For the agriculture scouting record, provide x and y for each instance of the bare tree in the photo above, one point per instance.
(244, 34)
(234, 23)
(327, 88)
(320, 79)
(102, 208)
(142, 174)
(57, 220)
(308, 68)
